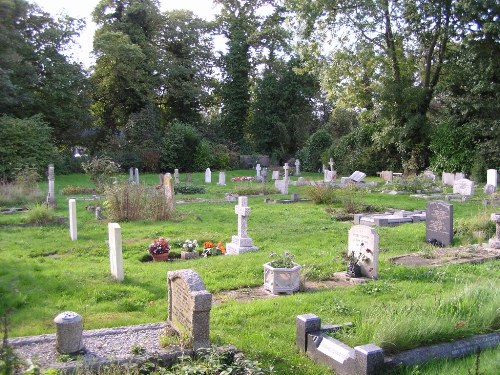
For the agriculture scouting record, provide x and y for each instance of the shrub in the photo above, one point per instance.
(414, 184)
(41, 215)
(100, 170)
(322, 194)
(12, 194)
(315, 146)
(27, 179)
(254, 190)
(352, 199)
(70, 189)
(203, 157)
(179, 147)
(189, 190)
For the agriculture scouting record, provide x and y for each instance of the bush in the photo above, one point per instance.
(203, 157)
(27, 179)
(12, 194)
(414, 184)
(70, 190)
(352, 199)
(314, 148)
(189, 190)
(66, 163)
(322, 194)
(41, 215)
(180, 144)
(100, 170)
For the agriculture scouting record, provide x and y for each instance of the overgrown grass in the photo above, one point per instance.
(12, 195)
(41, 215)
(43, 273)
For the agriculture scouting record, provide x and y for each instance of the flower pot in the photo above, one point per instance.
(189, 255)
(282, 280)
(160, 257)
(353, 270)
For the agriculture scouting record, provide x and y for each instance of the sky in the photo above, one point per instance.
(83, 8)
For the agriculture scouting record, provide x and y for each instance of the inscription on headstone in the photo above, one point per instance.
(439, 224)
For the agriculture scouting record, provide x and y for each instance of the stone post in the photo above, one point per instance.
(137, 176)
(168, 187)
(51, 197)
(73, 231)
(297, 167)
(176, 176)
(115, 250)
(69, 331)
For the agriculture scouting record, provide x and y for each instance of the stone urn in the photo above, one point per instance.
(281, 280)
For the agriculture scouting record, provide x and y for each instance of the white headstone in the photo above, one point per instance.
(286, 168)
(115, 250)
(208, 176)
(357, 176)
(463, 187)
(222, 178)
(258, 168)
(51, 196)
(430, 175)
(168, 187)
(492, 177)
(72, 220)
(448, 178)
(276, 175)
(241, 243)
(137, 176)
(297, 167)
(327, 175)
(364, 239)
(459, 176)
(386, 176)
(176, 176)
(131, 175)
(282, 186)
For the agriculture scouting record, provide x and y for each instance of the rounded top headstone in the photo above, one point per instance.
(67, 317)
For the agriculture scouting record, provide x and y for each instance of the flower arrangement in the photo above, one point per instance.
(210, 249)
(159, 246)
(243, 178)
(284, 260)
(354, 260)
(190, 245)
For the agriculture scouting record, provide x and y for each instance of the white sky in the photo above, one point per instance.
(83, 8)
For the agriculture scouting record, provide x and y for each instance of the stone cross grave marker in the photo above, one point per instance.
(168, 187)
(330, 163)
(73, 231)
(136, 175)
(241, 243)
(463, 187)
(364, 240)
(189, 305)
(115, 250)
(439, 223)
(222, 178)
(176, 176)
(286, 168)
(492, 178)
(297, 167)
(258, 168)
(51, 196)
(276, 175)
(208, 176)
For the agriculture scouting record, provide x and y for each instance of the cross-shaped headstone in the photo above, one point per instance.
(258, 168)
(330, 163)
(243, 211)
(286, 168)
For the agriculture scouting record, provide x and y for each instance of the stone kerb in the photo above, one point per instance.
(364, 239)
(189, 305)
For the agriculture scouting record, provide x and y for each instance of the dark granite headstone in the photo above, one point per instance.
(439, 224)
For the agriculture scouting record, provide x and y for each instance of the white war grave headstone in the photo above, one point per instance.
(297, 167)
(73, 231)
(258, 168)
(363, 244)
(51, 197)
(241, 243)
(439, 223)
(448, 178)
(463, 187)
(136, 175)
(222, 178)
(115, 250)
(176, 176)
(208, 176)
(189, 305)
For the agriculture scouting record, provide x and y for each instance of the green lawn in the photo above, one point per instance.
(43, 272)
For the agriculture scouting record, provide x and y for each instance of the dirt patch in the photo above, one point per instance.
(457, 255)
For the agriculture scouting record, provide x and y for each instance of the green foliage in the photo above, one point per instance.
(314, 148)
(284, 260)
(9, 362)
(189, 189)
(180, 145)
(12, 195)
(100, 169)
(41, 215)
(27, 178)
(414, 184)
(23, 143)
(322, 194)
(71, 189)
(203, 157)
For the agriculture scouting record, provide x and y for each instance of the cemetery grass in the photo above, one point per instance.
(43, 273)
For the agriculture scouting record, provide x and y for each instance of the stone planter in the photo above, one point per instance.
(160, 257)
(282, 280)
(189, 255)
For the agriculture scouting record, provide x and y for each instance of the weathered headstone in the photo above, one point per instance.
(208, 176)
(357, 176)
(222, 178)
(258, 168)
(489, 189)
(448, 178)
(494, 242)
(439, 223)
(241, 243)
(282, 186)
(276, 175)
(286, 168)
(295, 197)
(51, 196)
(463, 187)
(131, 175)
(176, 176)
(297, 167)
(301, 181)
(136, 175)
(430, 175)
(363, 244)
(189, 305)
(69, 332)
(492, 178)
(386, 176)
(169, 191)
(73, 231)
(115, 250)
(328, 175)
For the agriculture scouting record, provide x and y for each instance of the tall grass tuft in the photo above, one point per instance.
(322, 194)
(127, 202)
(41, 215)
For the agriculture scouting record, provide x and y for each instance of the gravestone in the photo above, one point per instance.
(439, 223)
(448, 178)
(276, 175)
(258, 168)
(160, 176)
(386, 176)
(168, 188)
(301, 181)
(222, 178)
(463, 187)
(189, 305)
(328, 175)
(297, 167)
(364, 240)
(136, 175)
(492, 178)
(357, 176)
(282, 186)
(69, 332)
(489, 189)
(286, 168)
(176, 176)
(295, 197)
(430, 175)
(459, 176)
(73, 231)
(208, 176)
(115, 250)
(241, 243)
(131, 175)
(51, 196)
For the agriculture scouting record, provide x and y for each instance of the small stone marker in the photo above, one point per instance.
(492, 178)
(115, 250)
(297, 167)
(286, 168)
(137, 176)
(258, 168)
(439, 223)
(295, 197)
(463, 187)
(363, 239)
(73, 232)
(131, 175)
(51, 196)
(430, 175)
(357, 176)
(276, 175)
(448, 178)
(189, 305)
(222, 178)
(69, 331)
(176, 176)
(494, 242)
(168, 187)
(208, 176)
(241, 243)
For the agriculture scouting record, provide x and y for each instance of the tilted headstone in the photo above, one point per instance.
(357, 176)
(69, 332)
(222, 178)
(115, 250)
(258, 168)
(241, 243)
(448, 178)
(364, 240)
(168, 187)
(276, 175)
(386, 176)
(439, 223)
(73, 231)
(463, 187)
(208, 176)
(136, 175)
(492, 178)
(297, 167)
(189, 305)
(51, 196)
(176, 176)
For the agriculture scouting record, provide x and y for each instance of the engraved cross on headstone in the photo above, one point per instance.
(243, 211)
